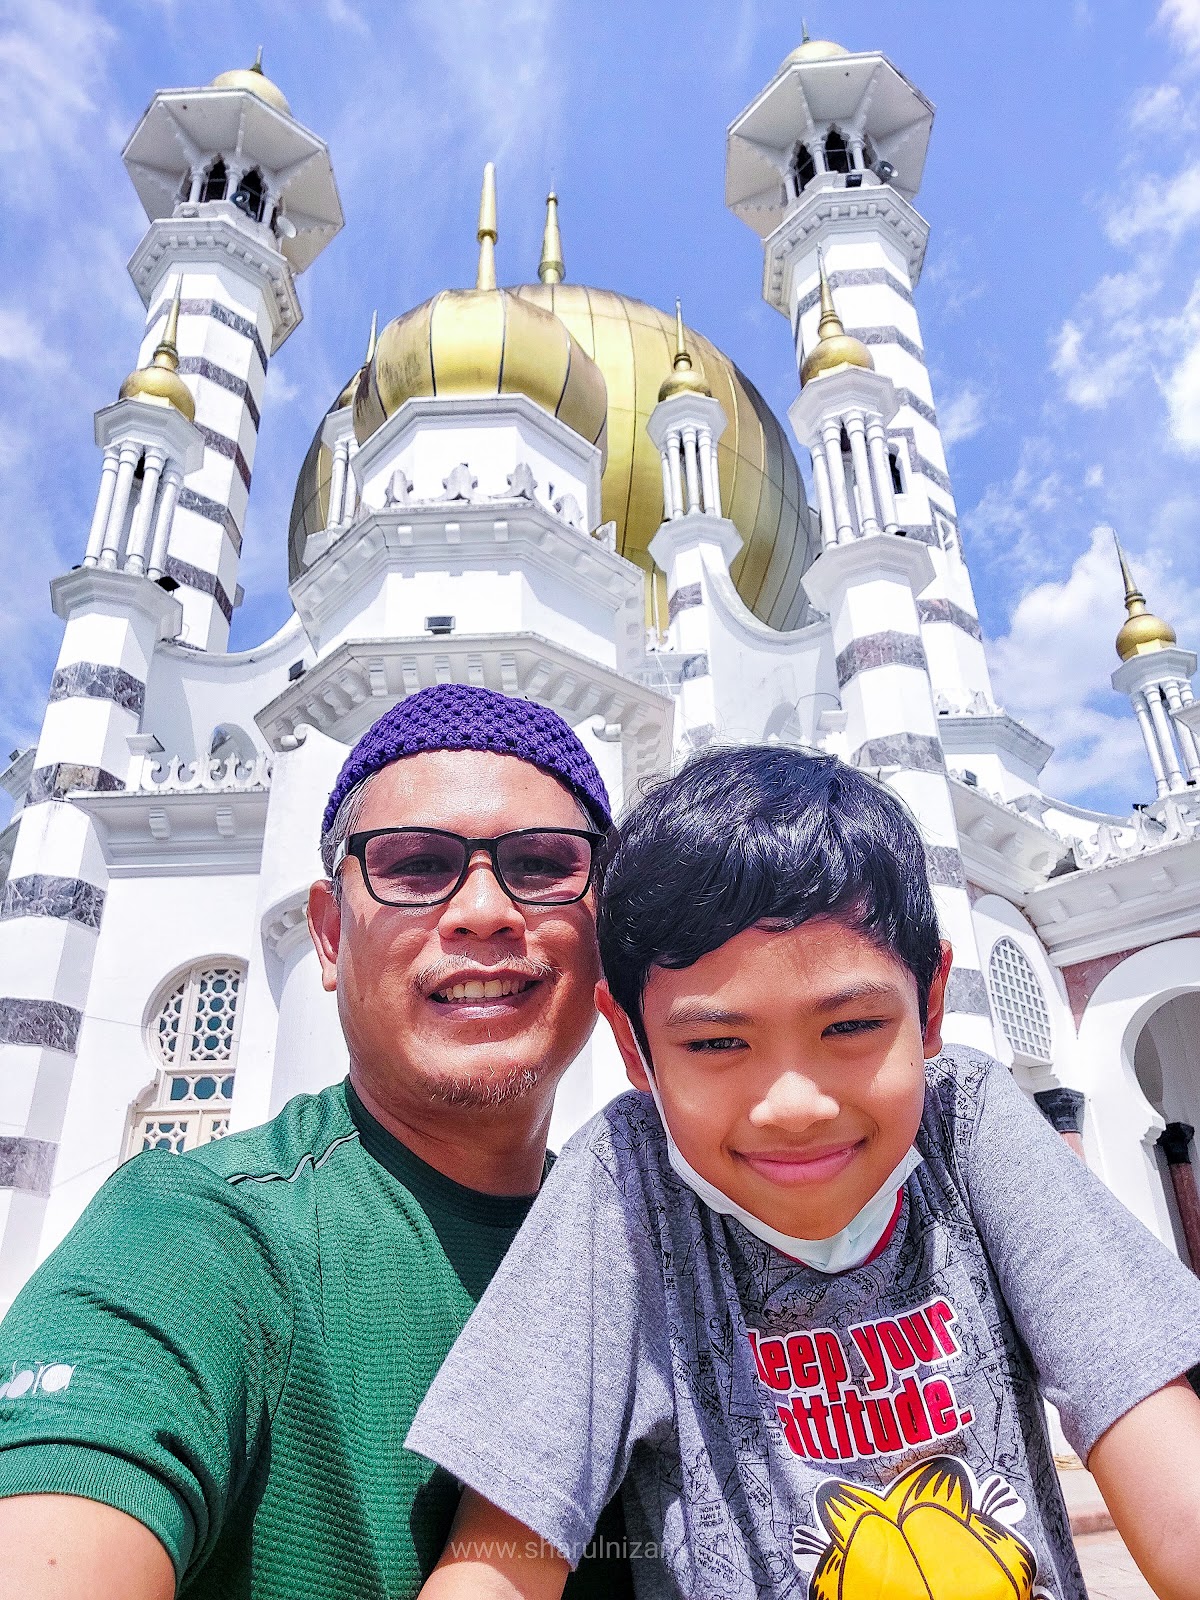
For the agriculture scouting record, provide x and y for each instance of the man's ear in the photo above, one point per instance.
(937, 1003)
(325, 926)
(623, 1033)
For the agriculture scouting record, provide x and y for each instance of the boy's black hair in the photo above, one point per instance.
(761, 834)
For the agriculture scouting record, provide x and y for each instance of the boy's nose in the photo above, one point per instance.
(794, 1101)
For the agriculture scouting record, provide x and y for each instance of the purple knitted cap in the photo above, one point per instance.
(456, 716)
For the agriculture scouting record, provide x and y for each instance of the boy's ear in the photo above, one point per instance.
(937, 1003)
(623, 1033)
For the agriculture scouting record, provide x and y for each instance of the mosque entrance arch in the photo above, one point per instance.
(1166, 1063)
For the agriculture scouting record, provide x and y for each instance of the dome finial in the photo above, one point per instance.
(683, 379)
(834, 347)
(258, 66)
(1141, 631)
(486, 233)
(160, 382)
(804, 39)
(371, 339)
(552, 268)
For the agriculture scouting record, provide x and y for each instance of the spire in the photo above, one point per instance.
(683, 378)
(258, 66)
(834, 347)
(551, 268)
(1141, 631)
(160, 383)
(371, 340)
(166, 352)
(486, 233)
(804, 39)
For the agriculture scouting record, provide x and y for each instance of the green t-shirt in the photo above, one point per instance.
(230, 1346)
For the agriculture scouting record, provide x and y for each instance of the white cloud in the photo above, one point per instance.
(1159, 109)
(51, 60)
(961, 417)
(1052, 669)
(1182, 17)
(1159, 208)
(21, 340)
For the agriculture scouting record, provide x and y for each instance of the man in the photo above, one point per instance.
(238, 1338)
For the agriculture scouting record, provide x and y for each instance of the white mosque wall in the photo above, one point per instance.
(154, 930)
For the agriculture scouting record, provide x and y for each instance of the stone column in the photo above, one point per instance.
(104, 500)
(172, 483)
(831, 437)
(1173, 1142)
(824, 498)
(856, 428)
(675, 456)
(129, 457)
(139, 532)
(690, 469)
(1142, 712)
(881, 462)
(1166, 737)
(1187, 744)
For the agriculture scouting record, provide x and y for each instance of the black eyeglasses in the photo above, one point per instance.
(427, 866)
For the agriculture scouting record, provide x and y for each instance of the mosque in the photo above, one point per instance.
(562, 493)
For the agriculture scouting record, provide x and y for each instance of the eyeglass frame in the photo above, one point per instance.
(355, 845)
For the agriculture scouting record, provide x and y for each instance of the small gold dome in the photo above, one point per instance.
(483, 342)
(835, 347)
(159, 384)
(683, 379)
(1142, 632)
(255, 81)
(815, 50)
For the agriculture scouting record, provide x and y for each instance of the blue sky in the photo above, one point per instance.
(1060, 301)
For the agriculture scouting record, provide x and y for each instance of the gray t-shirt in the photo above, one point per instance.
(779, 1432)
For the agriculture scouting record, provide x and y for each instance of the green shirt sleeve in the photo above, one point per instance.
(142, 1362)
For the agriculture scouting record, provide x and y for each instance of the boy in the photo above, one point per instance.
(801, 1302)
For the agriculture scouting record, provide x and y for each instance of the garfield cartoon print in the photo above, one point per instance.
(934, 1534)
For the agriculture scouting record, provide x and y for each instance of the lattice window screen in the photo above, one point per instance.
(1019, 1002)
(194, 1033)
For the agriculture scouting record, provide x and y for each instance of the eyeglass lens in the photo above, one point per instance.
(417, 868)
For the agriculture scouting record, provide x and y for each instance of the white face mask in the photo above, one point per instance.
(846, 1249)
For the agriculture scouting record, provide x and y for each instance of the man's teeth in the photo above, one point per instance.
(493, 989)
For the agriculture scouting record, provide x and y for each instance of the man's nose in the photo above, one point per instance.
(481, 909)
(795, 1101)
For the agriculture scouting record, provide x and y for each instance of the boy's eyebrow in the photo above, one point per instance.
(690, 1013)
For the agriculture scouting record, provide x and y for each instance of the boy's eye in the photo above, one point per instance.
(852, 1026)
(715, 1044)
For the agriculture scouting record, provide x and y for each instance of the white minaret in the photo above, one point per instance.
(827, 161)
(696, 541)
(241, 198)
(1157, 676)
(159, 563)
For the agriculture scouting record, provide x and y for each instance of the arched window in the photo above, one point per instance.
(897, 474)
(804, 168)
(249, 195)
(837, 152)
(193, 1032)
(215, 182)
(1019, 1002)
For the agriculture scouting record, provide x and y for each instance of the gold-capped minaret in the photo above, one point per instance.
(1142, 632)
(552, 268)
(834, 347)
(684, 379)
(485, 277)
(347, 395)
(159, 384)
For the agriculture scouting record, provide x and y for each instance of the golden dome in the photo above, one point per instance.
(159, 384)
(835, 347)
(814, 50)
(255, 81)
(346, 397)
(1141, 632)
(633, 343)
(684, 379)
(483, 341)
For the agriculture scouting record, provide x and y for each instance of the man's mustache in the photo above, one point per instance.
(440, 974)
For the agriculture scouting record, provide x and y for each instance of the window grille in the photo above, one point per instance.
(194, 1034)
(1019, 1002)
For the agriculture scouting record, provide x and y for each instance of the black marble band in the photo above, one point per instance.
(202, 367)
(943, 610)
(96, 680)
(227, 319)
(966, 993)
(693, 667)
(1062, 1108)
(189, 577)
(890, 649)
(915, 403)
(227, 447)
(26, 1164)
(48, 1024)
(57, 781)
(39, 894)
(917, 752)
(945, 866)
(211, 511)
(686, 596)
(854, 278)
(923, 533)
(920, 463)
(889, 335)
